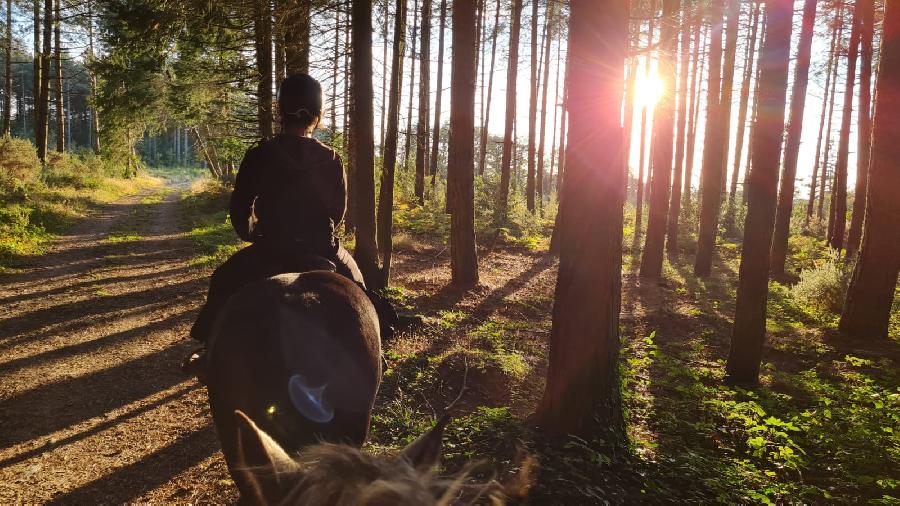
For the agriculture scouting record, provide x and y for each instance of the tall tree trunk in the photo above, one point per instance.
(384, 73)
(556, 83)
(631, 79)
(36, 85)
(583, 391)
(750, 310)
(696, 77)
(713, 153)
(639, 197)
(436, 140)
(663, 125)
(675, 200)
(412, 83)
(839, 192)
(363, 94)
(424, 88)
(561, 163)
(95, 117)
(542, 132)
(511, 74)
(734, 13)
(296, 36)
(461, 149)
(7, 81)
(389, 162)
(867, 308)
(813, 181)
(42, 126)
(743, 105)
(487, 109)
(866, 31)
(263, 36)
(58, 83)
(792, 144)
(278, 30)
(753, 114)
(532, 108)
(820, 212)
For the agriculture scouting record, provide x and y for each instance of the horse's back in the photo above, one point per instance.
(300, 354)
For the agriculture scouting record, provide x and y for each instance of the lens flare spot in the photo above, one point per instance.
(309, 401)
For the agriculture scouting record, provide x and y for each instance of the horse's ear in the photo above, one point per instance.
(425, 452)
(260, 461)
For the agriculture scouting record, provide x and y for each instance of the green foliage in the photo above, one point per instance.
(824, 287)
(207, 223)
(19, 164)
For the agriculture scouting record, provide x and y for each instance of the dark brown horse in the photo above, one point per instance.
(300, 354)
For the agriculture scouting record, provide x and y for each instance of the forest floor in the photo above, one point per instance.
(95, 409)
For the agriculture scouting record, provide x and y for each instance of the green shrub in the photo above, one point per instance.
(19, 163)
(824, 287)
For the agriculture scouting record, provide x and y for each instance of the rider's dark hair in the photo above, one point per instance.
(300, 101)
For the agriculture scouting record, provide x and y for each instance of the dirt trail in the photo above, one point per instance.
(93, 405)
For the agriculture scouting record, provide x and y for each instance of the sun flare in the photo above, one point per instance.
(648, 88)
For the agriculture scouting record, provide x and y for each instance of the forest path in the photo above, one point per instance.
(93, 404)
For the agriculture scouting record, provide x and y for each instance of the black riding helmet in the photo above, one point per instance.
(300, 100)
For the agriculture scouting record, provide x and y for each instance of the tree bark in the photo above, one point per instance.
(839, 192)
(7, 81)
(663, 125)
(639, 194)
(36, 85)
(389, 162)
(743, 105)
(296, 36)
(511, 74)
(733, 13)
(631, 79)
(713, 153)
(675, 200)
(263, 37)
(866, 31)
(436, 140)
(813, 181)
(366, 253)
(412, 83)
(820, 212)
(58, 82)
(867, 308)
(696, 76)
(384, 73)
(42, 126)
(583, 389)
(792, 144)
(555, 115)
(542, 131)
(461, 148)
(487, 110)
(424, 89)
(532, 108)
(750, 310)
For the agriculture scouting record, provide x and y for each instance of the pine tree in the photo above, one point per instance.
(542, 130)
(487, 109)
(792, 144)
(436, 141)
(742, 108)
(750, 310)
(58, 81)
(532, 108)
(813, 184)
(866, 27)
(366, 252)
(7, 80)
(389, 162)
(424, 88)
(461, 148)
(867, 308)
(680, 136)
(839, 192)
(583, 392)
(663, 124)
(713, 157)
(263, 39)
(511, 74)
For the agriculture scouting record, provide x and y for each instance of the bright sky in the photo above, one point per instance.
(812, 112)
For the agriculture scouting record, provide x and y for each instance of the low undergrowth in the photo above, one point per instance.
(37, 202)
